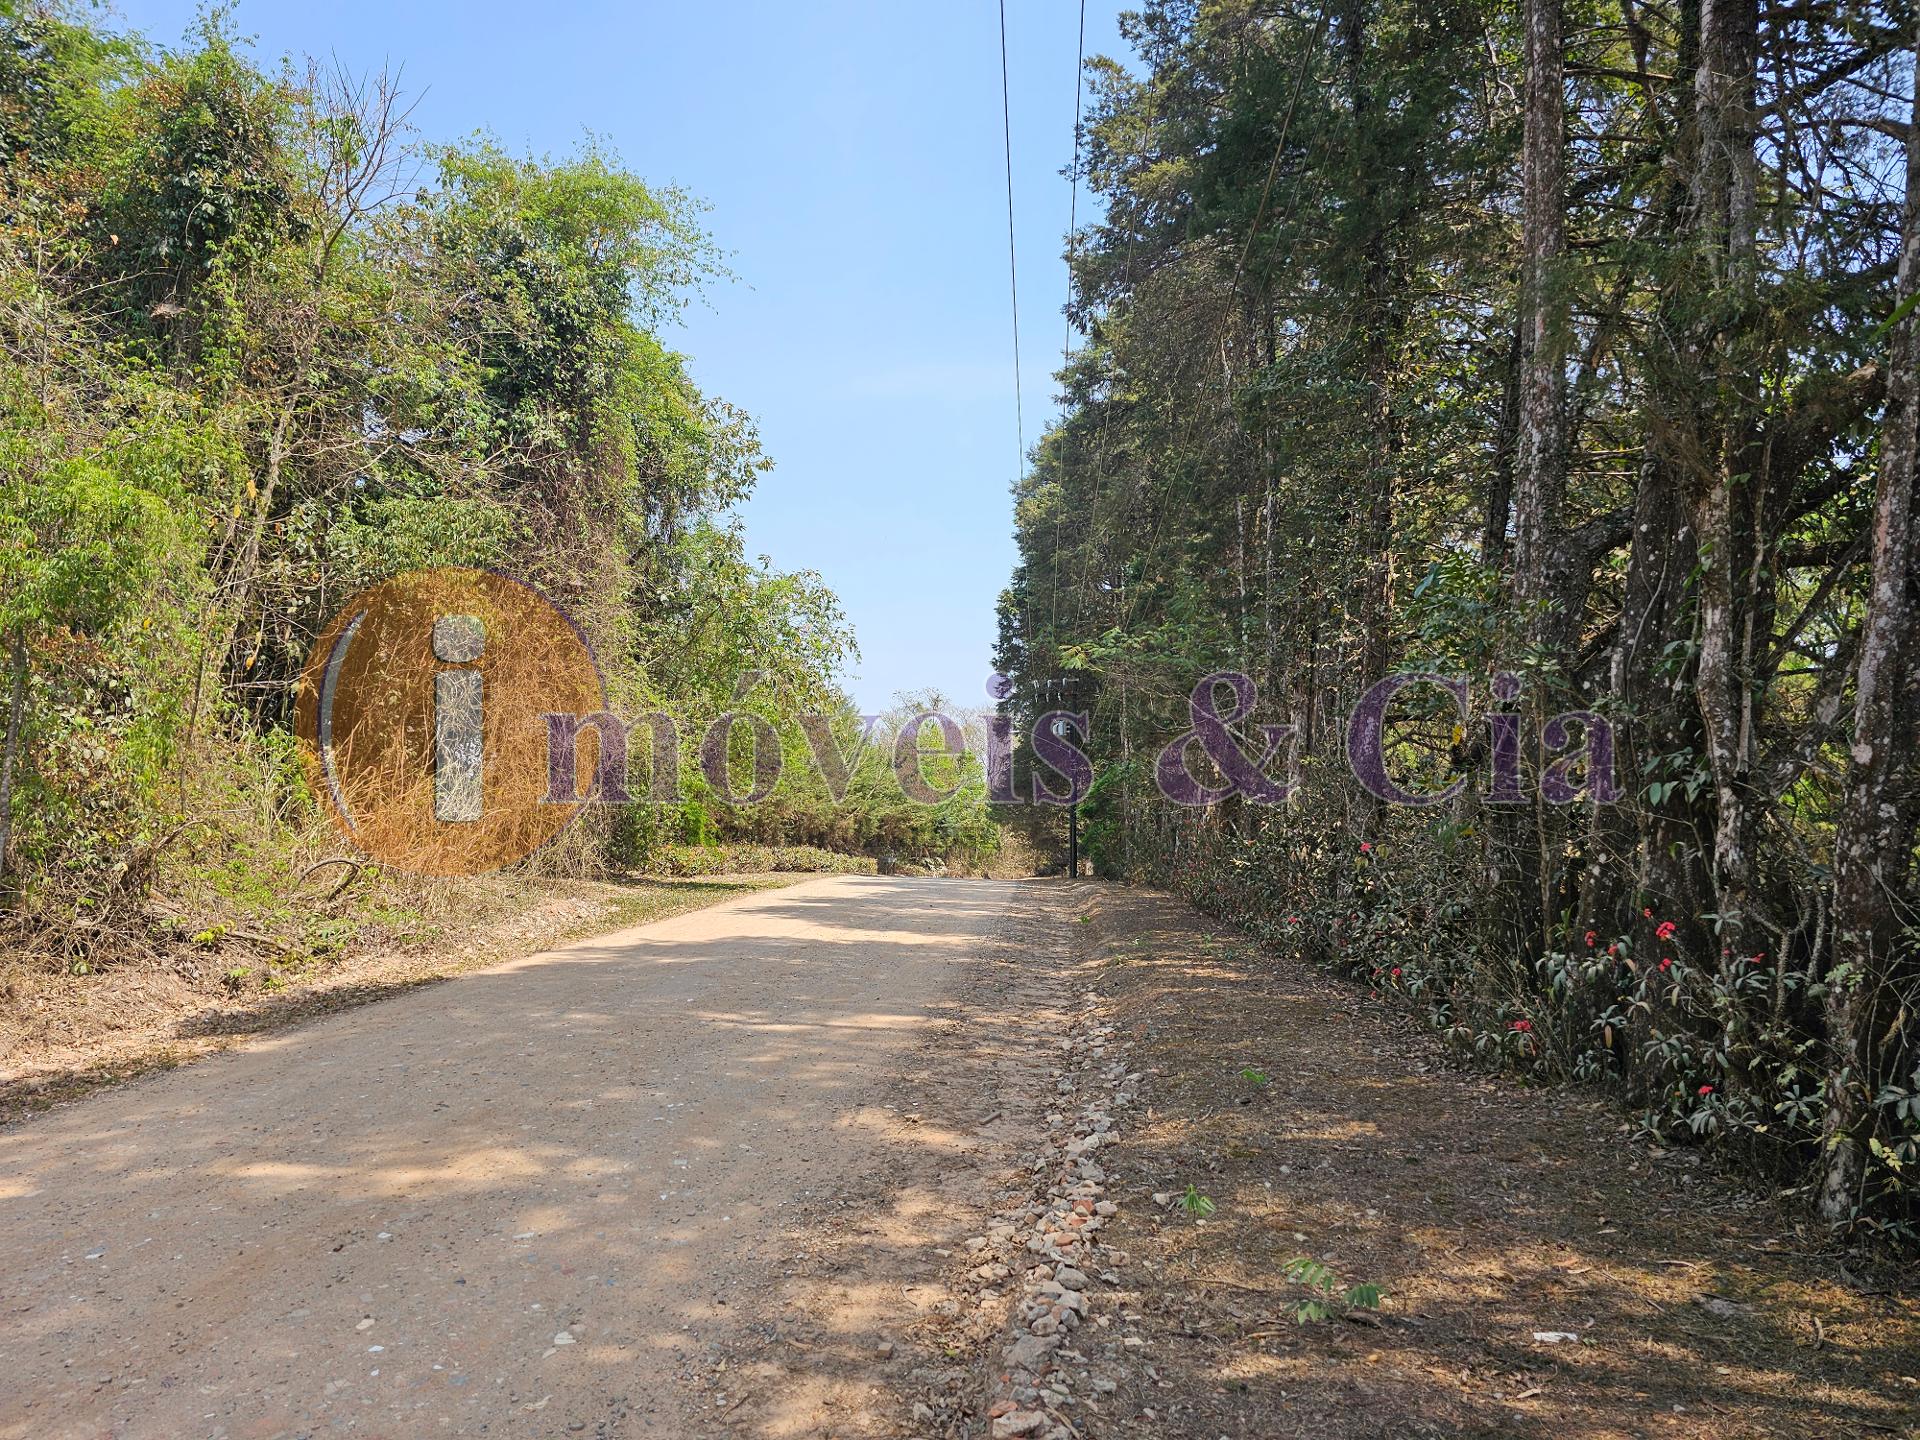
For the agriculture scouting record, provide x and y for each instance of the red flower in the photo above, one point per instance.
(1613, 949)
(1293, 919)
(1646, 914)
(1591, 935)
(1665, 929)
(1522, 1025)
(1366, 847)
(1706, 1089)
(1373, 994)
(1396, 972)
(1666, 962)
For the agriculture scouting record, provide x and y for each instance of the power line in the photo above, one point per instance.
(1273, 167)
(1066, 343)
(1013, 269)
(1260, 215)
(1073, 176)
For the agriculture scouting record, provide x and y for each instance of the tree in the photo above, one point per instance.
(1378, 284)
(1873, 918)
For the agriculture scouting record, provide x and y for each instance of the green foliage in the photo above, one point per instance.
(82, 535)
(746, 859)
(1196, 1204)
(259, 349)
(696, 824)
(1292, 447)
(1327, 1297)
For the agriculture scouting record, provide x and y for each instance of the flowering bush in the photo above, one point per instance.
(1706, 1046)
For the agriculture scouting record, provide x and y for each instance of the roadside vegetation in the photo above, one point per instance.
(260, 346)
(1571, 342)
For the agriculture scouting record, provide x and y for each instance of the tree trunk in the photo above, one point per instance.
(1376, 598)
(1872, 845)
(1540, 475)
(1493, 536)
(1540, 468)
(1646, 849)
(1723, 484)
(240, 578)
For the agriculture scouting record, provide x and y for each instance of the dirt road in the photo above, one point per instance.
(516, 1204)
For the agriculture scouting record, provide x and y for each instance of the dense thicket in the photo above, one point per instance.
(1566, 339)
(258, 348)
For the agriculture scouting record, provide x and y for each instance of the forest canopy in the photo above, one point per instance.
(1563, 340)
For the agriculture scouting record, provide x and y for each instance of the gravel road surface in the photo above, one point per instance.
(505, 1205)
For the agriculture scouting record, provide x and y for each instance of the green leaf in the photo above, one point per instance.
(1900, 312)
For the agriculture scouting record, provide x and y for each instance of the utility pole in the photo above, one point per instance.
(1061, 729)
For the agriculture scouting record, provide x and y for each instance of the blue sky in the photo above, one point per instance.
(852, 156)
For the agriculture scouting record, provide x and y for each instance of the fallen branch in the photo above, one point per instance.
(354, 870)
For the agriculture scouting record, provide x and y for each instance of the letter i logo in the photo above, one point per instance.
(422, 714)
(458, 698)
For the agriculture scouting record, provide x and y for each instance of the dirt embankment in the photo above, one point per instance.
(63, 1033)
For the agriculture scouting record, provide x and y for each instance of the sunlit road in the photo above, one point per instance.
(503, 1205)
